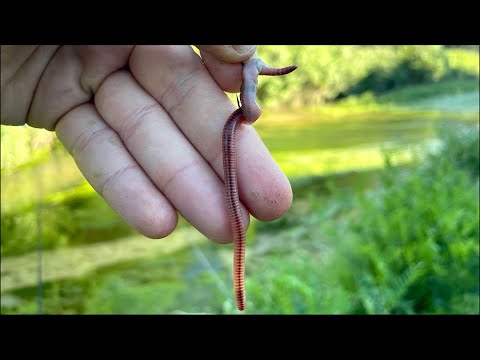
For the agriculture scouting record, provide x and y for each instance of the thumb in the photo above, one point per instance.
(229, 53)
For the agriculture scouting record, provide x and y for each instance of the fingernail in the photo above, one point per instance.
(242, 49)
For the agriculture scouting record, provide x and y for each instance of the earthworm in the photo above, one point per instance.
(233, 204)
(248, 91)
(248, 113)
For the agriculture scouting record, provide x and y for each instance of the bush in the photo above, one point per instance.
(328, 73)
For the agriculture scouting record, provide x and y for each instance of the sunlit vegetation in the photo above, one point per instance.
(326, 73)
(408, 247)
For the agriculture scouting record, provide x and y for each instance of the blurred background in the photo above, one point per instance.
(381, 145)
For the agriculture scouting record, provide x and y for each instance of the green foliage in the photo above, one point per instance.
(460, 148)
(410, 246)
(328, 73)
(464, 61)
(297, 290)
(415, 244)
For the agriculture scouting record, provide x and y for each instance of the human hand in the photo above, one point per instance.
(144, 125)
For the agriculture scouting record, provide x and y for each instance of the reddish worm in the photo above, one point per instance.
(248, 113)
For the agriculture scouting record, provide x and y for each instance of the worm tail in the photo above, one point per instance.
(267, 70)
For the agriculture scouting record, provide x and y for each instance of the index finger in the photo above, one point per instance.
(200, 109)
(225, 65)
(231, 54)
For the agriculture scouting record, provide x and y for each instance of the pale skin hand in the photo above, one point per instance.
(144, 125)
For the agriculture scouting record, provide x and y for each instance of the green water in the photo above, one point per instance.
(315, 144)
(307, 145)
(318, 132)
(303, 144)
